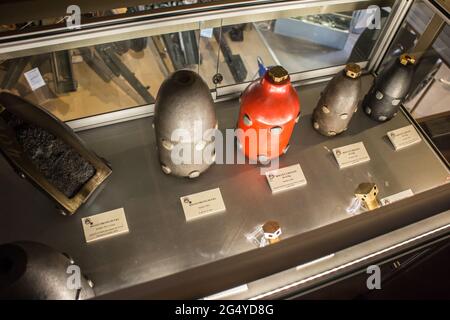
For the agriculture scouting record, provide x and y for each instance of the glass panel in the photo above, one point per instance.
(419, 16)
(103, 78)
(429, 91)
(55, 17)
(209, 55)
(241, 47)
(88, 81)
(300, 43)
(429, 95)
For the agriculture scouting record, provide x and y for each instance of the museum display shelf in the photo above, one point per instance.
(161, 244)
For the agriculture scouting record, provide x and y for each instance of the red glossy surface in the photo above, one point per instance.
(268, 105)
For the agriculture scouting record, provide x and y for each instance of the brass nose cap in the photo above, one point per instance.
(364, 188)
(406, 59)
(352, 70)
(278, 74)
(271, 226)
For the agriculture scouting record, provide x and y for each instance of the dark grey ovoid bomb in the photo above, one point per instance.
(338, 102)
(34, 271)
(185, 120)
(390, 89)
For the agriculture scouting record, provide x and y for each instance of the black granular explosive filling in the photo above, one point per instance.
(61, 165)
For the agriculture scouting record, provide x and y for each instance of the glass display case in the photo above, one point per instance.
(101, 79)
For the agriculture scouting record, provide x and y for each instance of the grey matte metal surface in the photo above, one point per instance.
(323, 35)
(337, 104)
(31, 270)
(161, 242)
(389, 91)
(185, 120)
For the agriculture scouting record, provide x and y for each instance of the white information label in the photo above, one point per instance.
(207, 33)
(34, 79)
(351, 155)
(202, 204)
(403, 137)
(286, 178)
(105, 225)
(397, 197)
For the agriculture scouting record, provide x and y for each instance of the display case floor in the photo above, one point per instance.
(160, 242)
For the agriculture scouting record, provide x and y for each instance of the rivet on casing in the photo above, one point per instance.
(194, 174)
(276, 130)
(167, 144)
(200, 145)
(247, 121)
(166, 169)
(379, 95)
(262, 159)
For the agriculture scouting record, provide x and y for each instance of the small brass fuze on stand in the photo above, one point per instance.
(46, 151)
(368, 193)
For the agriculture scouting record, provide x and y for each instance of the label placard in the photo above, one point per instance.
(351, 155)
(202, 204)
(206, 33)
(286, 178)
(396, 197)
(105, 225)
(403, 137)
(34, 79)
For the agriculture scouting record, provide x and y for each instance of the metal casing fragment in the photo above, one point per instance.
(34, 271)
(40, 122)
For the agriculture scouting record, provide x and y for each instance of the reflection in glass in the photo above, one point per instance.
(88, 81)
(300, 43)
(429, 93)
